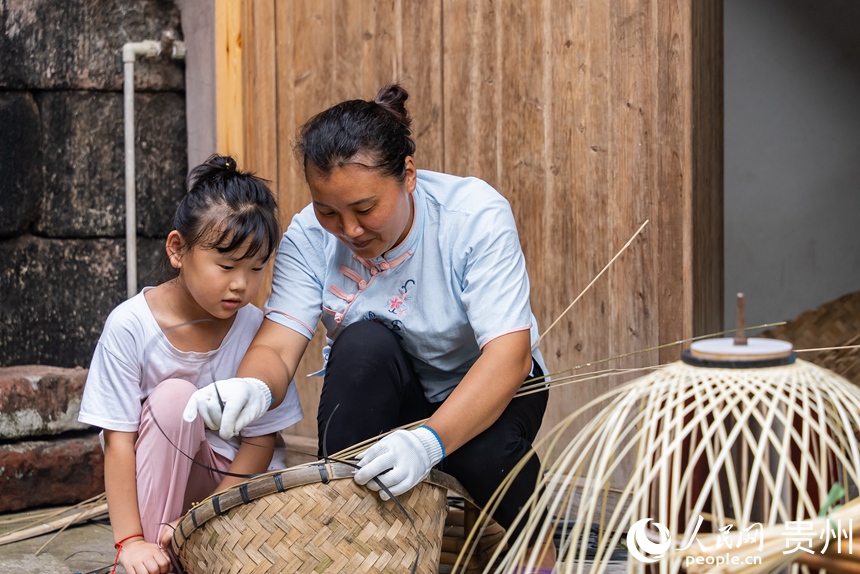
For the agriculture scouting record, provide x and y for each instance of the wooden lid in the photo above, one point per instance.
(755, 349)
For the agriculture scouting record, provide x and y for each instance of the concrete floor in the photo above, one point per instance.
(79, 549)
(88, 549)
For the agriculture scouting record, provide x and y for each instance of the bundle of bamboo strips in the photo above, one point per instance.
(50, 520)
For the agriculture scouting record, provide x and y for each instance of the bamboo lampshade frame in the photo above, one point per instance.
(735, 446)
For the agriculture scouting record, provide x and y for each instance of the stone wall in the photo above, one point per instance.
(47, 457)
(62, 190)
(62, 219)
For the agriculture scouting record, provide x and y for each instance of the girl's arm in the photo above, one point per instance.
(137, 555)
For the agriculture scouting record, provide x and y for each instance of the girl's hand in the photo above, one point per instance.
(166, 535)
(141, 557)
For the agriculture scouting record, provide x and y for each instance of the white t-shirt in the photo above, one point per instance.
(456, 282)
(133, 356)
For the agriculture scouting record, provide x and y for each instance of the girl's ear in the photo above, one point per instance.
(174, 247)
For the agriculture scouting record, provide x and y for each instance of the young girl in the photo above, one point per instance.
(158, 347)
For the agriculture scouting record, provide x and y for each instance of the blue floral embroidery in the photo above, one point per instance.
(394, 326)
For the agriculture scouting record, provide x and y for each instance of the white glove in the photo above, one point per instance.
(244, 399)
(400, 460)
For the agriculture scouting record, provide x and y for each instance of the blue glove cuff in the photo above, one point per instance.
(441, 446)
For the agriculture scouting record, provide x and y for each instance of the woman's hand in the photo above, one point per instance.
(260, 383)
(142, 557)
(229, 405)
(399, 461)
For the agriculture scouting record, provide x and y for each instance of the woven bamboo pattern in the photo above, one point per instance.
(333, 526)
(733, 446)
(473, 557)
(833, 324)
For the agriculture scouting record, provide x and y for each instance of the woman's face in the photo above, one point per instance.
(369, 212)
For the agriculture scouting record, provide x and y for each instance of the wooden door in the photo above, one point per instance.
(590, 116)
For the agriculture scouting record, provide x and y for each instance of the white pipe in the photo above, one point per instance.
(130, 52)
(146, 49)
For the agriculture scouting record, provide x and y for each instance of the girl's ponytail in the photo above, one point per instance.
(225, 207)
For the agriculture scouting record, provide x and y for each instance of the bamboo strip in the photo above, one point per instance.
(97, 511)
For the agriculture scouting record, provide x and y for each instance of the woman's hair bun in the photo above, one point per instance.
(393, 98)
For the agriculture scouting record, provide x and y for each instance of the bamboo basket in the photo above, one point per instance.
(833, 324)
(469, 539)
(315, 518)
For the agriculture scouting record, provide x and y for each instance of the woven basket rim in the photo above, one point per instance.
(281, 481)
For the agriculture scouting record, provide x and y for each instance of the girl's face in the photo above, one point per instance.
(220, 283)
(369, 212)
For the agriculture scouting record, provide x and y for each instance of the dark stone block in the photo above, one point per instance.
(62, 471)
(77, 44)
(161, 155)
(20, 162)
(82, 139)
(57, 294)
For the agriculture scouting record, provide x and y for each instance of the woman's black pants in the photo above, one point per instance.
(371, 382)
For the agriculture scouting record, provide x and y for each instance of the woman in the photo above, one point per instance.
(422, 287)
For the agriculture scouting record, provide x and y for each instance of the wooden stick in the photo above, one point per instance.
(834, 564)
(41, 529)
(39, 516)
(843, 348)
(596, 277)
(740, 333)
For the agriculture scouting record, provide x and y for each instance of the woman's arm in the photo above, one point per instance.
(137, 555)
(261, 382)
(253, 457)
(402, 459)
(273, 357)
(484, 392)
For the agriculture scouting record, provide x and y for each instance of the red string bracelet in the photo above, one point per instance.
(118, 547)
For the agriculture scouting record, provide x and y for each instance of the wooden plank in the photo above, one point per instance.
(590, 117)
(473, 57)
(260, 103)
(198, 25)
(707, 155)
(420, 44)
(228, 78)
(673, 176)
(305, 64)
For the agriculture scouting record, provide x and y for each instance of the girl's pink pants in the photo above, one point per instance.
(167, 480)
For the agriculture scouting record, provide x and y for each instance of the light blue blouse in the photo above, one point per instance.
(456, 282)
